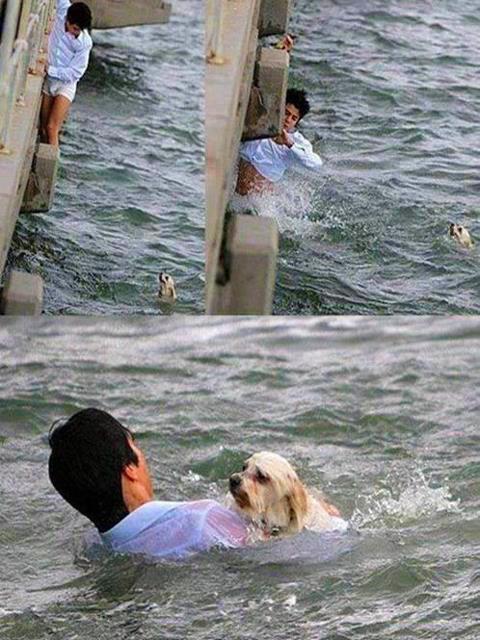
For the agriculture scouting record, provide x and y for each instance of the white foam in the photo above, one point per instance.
(402, 501)
(290, 204)
(291, 601)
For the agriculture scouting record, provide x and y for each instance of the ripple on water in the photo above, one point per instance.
(391, 92)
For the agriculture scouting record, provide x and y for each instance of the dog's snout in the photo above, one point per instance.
(235, 481)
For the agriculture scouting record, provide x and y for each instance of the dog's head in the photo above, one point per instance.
(269, 492)
(167, 288)
(461, 234)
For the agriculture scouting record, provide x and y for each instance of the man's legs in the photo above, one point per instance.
(58, 112)
(44, 115)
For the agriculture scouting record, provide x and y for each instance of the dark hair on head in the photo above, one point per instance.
(298, 97)
(79, 13)
(85, 466)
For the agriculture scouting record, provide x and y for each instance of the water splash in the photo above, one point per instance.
(290, 204)
(309, 207)
(401, 500)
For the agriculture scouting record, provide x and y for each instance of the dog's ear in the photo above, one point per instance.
(298, 506)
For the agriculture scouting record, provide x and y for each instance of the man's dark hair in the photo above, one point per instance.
(79, 13)
(298, 97)
(88, 454)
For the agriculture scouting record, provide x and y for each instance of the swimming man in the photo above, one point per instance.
(263, 162)
(98, 469)
(69, 48)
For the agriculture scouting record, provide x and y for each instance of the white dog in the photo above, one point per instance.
(269, 493)
(461, 235)
(167, 291)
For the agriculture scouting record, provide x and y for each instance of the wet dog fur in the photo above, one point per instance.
(269, 493)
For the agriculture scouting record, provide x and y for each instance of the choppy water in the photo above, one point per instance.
(129, 201)
(381, 413)
(395, 97)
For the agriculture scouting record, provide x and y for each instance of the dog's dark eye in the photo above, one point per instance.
(261, 477)
(460, 229)
(244, 468)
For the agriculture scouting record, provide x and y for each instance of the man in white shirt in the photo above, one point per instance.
(264, 162)
(97, 467)
(69, 48)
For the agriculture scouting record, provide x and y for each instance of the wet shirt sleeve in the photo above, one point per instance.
(62, 8)
(302, 153)
(246, 150)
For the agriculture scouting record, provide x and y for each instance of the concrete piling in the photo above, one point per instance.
(40, 188)
(22, 295)
(269, 90)
(274, 17)
(251, 257)
(112, 14)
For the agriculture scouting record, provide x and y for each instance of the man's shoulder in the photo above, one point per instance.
(150, 511)
(204, 505)
(212, 509)
(180, 508)
(85, 40)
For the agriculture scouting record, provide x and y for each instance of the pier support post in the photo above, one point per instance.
(274, 17)
(251, 258)
(111, 14)
(41, 182)
(266, 109)
(22, 295)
